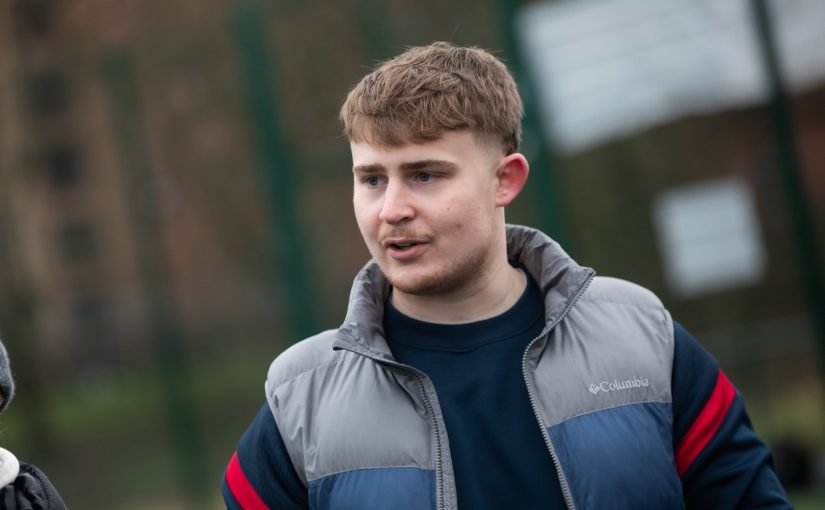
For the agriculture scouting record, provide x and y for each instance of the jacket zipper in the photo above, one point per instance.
(420, 378)
(439, 486)
(565, 489)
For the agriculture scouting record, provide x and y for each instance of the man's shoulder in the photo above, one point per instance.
(619, 300)
(302, 357)
(609, 289)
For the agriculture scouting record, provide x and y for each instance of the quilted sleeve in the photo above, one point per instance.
(720, 459)
(260, 474)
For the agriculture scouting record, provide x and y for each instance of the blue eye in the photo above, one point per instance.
(425, 177)
(372, 181)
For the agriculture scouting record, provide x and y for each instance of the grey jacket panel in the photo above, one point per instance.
(615, 347)
(337, 415)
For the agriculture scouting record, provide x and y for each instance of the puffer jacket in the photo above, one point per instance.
(632, 416)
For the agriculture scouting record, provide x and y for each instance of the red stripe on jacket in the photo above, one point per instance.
(706, 424)
(241, 488)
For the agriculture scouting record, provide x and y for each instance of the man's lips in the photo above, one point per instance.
(401, 243)
(404, 248)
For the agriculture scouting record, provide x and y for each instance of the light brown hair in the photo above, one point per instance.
(427, 90)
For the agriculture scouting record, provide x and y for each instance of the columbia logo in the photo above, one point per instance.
(617, 385)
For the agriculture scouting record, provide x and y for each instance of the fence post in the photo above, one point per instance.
(277, 164)
(545, 186)
(170, 350)
(808, 251)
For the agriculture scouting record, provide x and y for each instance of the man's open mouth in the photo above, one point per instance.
(401, 243)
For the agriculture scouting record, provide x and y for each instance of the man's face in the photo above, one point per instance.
(428, 211)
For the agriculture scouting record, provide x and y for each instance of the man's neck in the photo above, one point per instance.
(489, 297)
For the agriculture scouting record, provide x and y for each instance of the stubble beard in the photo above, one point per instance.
(461, 273)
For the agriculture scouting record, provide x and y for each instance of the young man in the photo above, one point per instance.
(478, 366)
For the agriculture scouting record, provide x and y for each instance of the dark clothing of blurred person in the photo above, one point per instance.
(22, 486)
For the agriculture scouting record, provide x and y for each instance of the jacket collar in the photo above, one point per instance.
(557, 275)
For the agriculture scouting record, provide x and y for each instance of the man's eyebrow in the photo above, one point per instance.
(368, 169)
(427, 163)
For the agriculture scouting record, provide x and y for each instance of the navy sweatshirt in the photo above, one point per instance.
(499, 456)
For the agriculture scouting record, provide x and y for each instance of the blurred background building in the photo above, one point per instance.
(175, 204)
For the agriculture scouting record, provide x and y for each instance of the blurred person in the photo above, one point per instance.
(478, 366)
(22, 486)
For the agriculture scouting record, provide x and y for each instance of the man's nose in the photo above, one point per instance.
(397, 206)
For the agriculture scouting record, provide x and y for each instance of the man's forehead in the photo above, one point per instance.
(366, 155)
(451, 148)
(420, 164)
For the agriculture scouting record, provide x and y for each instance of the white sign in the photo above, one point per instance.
(709, 237)
(607, 68)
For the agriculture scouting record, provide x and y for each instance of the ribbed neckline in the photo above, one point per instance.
(521, 317)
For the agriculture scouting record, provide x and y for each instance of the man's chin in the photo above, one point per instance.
(423, 285)
(415, 285)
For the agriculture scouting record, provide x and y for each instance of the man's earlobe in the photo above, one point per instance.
(511, 175)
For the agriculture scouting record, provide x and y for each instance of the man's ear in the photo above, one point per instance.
(511, 176)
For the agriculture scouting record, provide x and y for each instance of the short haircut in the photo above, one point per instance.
(428, 90)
